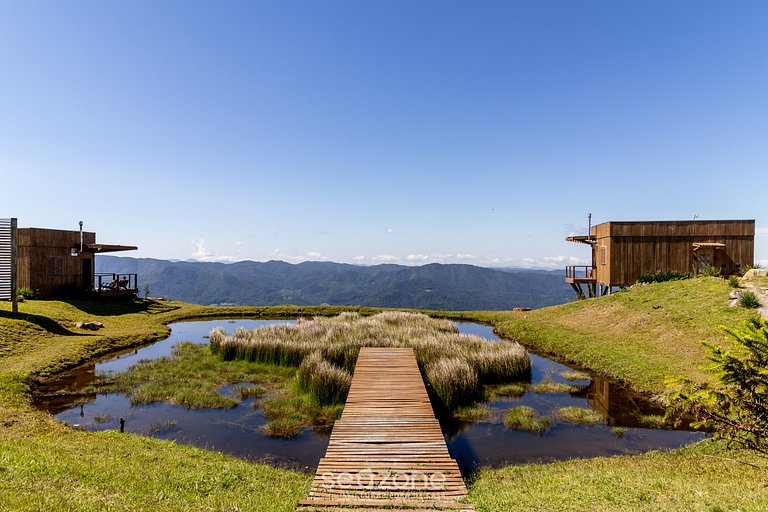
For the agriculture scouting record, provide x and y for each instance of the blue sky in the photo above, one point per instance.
(360, 131)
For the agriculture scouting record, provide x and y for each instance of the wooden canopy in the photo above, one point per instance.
(99, 248)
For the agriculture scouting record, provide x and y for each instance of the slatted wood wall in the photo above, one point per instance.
(46, 263)
(7, 262)
(633, 248)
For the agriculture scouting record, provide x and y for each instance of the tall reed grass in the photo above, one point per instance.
(325, 350)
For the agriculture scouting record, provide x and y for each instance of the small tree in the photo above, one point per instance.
(147, 290)
(735, 404)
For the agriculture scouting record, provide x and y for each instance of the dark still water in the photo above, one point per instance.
(486, 443)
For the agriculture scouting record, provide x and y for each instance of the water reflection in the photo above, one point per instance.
(490, 443)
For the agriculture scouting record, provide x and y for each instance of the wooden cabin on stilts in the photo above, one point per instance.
(623, 250)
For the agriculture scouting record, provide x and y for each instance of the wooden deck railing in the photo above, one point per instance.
(115, 282)
(579, 272)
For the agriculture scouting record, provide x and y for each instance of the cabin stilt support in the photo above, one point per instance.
(579, 292)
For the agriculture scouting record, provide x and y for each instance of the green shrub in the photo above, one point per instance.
(710, 271)
(735, 406)
(662, 276)
(734, 281)
(749, 300)
(25, 293)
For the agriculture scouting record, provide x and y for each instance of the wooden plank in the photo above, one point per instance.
(387, 449)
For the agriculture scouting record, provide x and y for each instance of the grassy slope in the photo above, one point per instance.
(638, 336)
(46, 465)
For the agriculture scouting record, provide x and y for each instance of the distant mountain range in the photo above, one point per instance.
(434, 286)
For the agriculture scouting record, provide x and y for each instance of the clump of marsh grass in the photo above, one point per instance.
(619, 432)
(523, 417)
(453, 380)
(455, 365)
(472, 413)
(286, 428)
(579, 415)
(550, 386)
(653, 421)
(290, 409)
(326, 381)
(255, 391)
(514, 389)
(575, 375)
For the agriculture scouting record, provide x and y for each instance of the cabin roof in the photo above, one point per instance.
(99, 248)
(581, 239)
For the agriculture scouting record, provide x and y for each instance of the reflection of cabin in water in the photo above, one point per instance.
(53, 262)
(622, 251)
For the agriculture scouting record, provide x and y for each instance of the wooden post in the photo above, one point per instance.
(14, 266)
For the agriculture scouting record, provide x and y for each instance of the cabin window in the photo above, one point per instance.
(55, 266)
(603, 255)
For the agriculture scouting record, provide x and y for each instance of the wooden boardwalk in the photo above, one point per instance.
(387, 449)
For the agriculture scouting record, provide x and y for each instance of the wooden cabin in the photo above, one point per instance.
(54, 262)
(622, 251)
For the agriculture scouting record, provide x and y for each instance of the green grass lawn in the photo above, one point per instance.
(638, 336)
(699, 478)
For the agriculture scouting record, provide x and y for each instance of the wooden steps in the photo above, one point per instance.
(387, 451)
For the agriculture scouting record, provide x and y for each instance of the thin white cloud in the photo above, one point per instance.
(386, 258)
(564, 260)
(277, 254)
(200, 249)
(389, 231)
(762, 231)
(359, 258)
(316, 255)
(551, 262)
(461, 256)
(417, 257)
(201, 253)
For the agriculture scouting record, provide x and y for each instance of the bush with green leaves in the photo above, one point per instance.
(734, 281)
(749, 300)
(25, 293)
(662, 276)
(710, 271)
(735, 403)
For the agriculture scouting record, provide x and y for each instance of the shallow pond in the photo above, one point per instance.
(485, 443)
